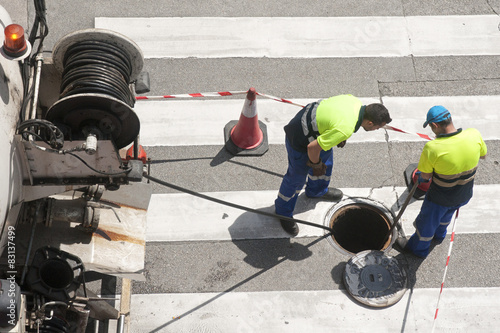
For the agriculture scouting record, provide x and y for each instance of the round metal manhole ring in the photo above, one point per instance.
(375, 279)
(360, 224)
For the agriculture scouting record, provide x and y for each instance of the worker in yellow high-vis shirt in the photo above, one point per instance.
(310, 137)
(451, 160)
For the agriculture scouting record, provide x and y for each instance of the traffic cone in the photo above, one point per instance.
(248, 135)
(141, 154)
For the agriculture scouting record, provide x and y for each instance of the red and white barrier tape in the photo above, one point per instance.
(209, 94)
(232, 93)
(446, 268)
(282, 100)
(423, 136)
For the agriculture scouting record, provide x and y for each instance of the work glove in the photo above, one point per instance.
(342, 144)
(319, 169)
(420, 179)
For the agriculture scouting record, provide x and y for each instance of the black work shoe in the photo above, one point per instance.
(333, 194)
(290, 227)
(438, 240)
(400, 244)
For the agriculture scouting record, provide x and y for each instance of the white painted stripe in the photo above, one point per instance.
(298, 37)
(201, 122)
(454, 35)
(479, 112)
(194, 219)
(461, 310)
(309, 37)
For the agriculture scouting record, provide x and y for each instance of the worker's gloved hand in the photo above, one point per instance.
(342, 144)
(420, 179)
(319, 169)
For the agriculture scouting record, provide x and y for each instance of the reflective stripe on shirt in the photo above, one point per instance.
(454, 180)
(452, 159)
(308, 121)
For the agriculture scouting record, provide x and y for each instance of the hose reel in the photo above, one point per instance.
(98, 67)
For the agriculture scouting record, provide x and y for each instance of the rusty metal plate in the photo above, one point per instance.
(375, 279)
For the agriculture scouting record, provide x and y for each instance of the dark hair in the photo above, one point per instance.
(377, 114)
(445, 122)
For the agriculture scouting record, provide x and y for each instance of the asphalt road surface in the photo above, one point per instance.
(213, 268)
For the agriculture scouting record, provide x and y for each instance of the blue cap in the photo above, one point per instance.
(437, 114)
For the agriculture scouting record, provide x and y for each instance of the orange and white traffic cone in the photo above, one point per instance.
(248, 135)
(140, 156)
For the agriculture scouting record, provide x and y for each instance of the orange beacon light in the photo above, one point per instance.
(14, 44)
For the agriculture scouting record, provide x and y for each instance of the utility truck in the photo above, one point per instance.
(72, 202)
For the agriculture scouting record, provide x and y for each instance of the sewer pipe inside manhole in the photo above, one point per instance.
(360, 224)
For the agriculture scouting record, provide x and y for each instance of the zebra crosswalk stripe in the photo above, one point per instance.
(191, 220)
(309, 37)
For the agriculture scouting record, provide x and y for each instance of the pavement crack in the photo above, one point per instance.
(493, 10)
(410, 44)
(389, 152)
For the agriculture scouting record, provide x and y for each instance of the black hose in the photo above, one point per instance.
(222, 202)
(126, 170)
(99, 67)
(42, 129)
(39, 26)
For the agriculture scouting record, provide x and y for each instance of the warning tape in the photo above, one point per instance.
(423, 136)
(214, 94)
(445, 269)
(279, 99)
(209, 94)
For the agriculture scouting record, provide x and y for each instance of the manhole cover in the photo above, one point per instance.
(375, 279)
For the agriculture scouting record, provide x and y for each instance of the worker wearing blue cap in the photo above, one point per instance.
(451, 161)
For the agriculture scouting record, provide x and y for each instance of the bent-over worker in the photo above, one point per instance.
(310, 136)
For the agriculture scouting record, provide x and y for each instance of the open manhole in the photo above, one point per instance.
(360, 229)
(360, 224)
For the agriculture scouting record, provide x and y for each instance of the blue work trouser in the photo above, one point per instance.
(296, 176)
(431, 223)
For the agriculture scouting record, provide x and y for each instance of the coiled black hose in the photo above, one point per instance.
(97, 67)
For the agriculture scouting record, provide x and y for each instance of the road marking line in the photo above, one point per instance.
(309, 37)
(463, 309)
(165, 123)
(194, 219)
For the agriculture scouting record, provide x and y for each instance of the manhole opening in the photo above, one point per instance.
(359, 227)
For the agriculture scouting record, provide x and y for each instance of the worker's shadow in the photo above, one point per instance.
(264, 241)
(411, 264)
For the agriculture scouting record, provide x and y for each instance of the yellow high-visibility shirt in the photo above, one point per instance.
(336, 118)
(453, 160)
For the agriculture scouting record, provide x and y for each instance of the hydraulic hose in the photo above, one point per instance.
(226, 203)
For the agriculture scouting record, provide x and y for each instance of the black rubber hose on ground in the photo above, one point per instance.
(226, 203)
